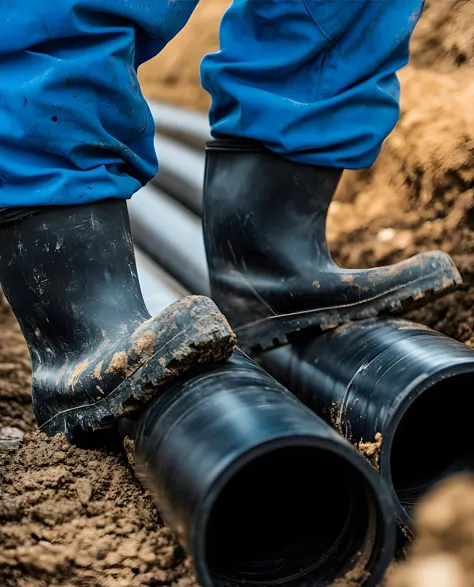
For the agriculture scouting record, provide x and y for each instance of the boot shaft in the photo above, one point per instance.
(264, 212)
(270, 268)
(68, 273)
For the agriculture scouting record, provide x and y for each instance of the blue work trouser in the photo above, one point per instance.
(313, 80)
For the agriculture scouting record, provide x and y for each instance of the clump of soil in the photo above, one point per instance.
(441, 555)
(70, 516)
(352, 579)
(371, 450)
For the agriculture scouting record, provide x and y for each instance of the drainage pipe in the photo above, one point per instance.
(257, 488)
(404, 383)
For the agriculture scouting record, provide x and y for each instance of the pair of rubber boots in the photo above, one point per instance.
(70, 277)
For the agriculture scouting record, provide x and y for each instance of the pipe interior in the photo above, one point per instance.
(433, 439)
(295, 513)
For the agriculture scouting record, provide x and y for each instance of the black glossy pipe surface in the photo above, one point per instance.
(397, 378)
(258, 489)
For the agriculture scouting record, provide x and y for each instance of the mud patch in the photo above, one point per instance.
(119, 364)
(353, 578)
(144, 346)
(75, 517)
(371, 450)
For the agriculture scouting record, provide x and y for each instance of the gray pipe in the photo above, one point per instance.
(181, 172)
(158, 230)
(188, 126)
(158, 288)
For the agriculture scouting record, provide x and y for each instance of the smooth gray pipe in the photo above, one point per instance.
(188, 126)
(158, 230)
(158, 288)
(181, 172)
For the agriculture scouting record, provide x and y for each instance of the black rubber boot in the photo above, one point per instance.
(270, 268)
(70, 277)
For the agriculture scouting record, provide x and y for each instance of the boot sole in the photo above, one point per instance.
(205, 340)
(272, 332)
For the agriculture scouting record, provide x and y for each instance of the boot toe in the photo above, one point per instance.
(437, 264)
(417, 277)
(188, 333)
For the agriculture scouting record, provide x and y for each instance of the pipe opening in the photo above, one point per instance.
(293, 513)
(433, 439)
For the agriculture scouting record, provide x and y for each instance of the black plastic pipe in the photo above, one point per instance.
(406, 382)
(257, 488)
(340, 373)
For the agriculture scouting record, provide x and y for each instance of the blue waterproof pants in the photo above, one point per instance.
(313, 80)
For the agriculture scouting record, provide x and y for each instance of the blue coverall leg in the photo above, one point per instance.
(313, 80)
(74, 126)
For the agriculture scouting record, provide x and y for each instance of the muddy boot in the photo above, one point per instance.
(270, 267)
(69, 274)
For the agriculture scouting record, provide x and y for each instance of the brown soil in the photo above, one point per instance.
(15, 377)
(420, 193)
(70, 516)
(75, 517)
(371, 450)
(441, 556)
(173, 76)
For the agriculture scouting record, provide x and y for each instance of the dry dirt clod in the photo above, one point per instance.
(353, 578)
(371, 450)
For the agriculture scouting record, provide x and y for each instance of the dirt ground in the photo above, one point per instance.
(441, 556)
(75, 517)
(70, 516)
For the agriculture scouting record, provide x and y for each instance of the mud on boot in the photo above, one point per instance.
(270, 267)
(70, 276)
